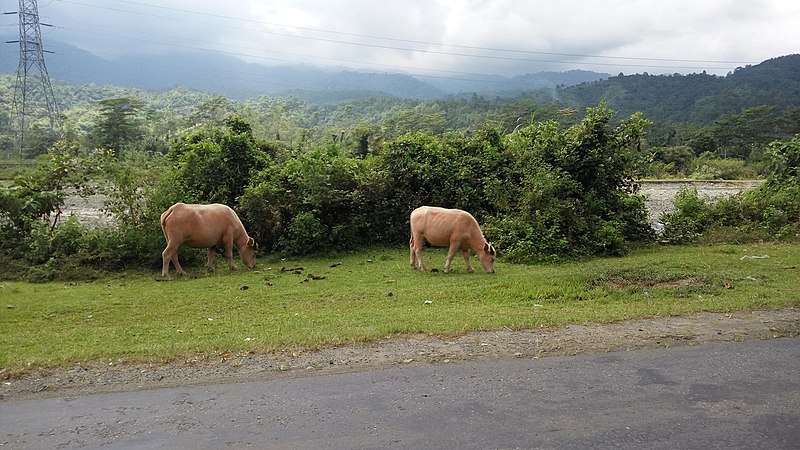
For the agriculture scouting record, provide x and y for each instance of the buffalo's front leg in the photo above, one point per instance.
(451, 252)
(229, 255)
(465, 254)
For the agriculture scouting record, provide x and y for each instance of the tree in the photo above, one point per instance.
(119, 125)
(212, 112)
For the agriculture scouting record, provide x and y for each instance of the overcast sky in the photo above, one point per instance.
(439, 37)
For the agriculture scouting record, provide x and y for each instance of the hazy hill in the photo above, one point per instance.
(696, 97)
(699, 98)
(234, 78)
(513, 86)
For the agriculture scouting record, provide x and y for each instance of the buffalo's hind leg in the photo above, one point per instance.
(412, 253)
(165, 259)
(170, 254)
(415, 250)
(178, 267)
(411, 259)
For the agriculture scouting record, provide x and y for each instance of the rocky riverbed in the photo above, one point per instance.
(660, 194)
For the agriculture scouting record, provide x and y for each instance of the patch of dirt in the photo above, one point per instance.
(622, 283)
(659, 332)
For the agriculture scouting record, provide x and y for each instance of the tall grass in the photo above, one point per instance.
(369, 295)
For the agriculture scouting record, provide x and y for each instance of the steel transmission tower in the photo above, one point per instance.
(33, 83)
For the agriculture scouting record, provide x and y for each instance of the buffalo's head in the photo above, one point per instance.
(248, 253)
(487, 256)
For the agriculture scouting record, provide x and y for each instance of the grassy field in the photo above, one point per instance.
(311, 303)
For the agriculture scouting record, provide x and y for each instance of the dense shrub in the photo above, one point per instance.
(541, 192)
(469, 172)
(575, 194)
(319, 200)
(212, 165)
(710, 167)
(669, 162)
(771, 211)
(39, 244)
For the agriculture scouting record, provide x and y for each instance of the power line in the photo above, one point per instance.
(409, 70)
(316, 59)
(491, 57)
(411, 41)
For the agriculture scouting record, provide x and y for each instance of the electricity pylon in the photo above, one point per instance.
(33, 83)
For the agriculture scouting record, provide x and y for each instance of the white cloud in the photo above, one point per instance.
(442, 36)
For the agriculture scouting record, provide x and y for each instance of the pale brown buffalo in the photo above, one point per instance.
(452, 228)
(204, 226)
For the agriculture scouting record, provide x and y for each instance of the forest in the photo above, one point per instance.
(548, 176)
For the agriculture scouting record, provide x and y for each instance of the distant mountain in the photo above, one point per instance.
(234, 78)
(697, 98)
(514, 86)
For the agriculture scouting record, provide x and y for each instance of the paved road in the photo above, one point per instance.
(730, 395)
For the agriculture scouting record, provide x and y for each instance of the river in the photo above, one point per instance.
(659, 196)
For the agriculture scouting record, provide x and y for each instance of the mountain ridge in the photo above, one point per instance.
(231, 77)
(695, 97)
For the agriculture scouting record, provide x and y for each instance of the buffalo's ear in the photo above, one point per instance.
(252, 243)
(489, 248)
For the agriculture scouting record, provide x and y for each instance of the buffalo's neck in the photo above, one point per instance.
(476, 243)
(242, 239)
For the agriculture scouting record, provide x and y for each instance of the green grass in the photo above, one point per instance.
(369, 296)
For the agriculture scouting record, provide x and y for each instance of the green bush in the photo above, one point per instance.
(321, 192)
(686, 222)
(211, 165)
(710, 167)
(574, 192)
(542, 192)
(304, 235)
(670, 161)
(771, 211)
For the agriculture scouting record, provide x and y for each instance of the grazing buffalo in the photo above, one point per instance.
(204, 226)
(452, 228)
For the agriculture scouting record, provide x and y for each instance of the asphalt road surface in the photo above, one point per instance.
(734, 395)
